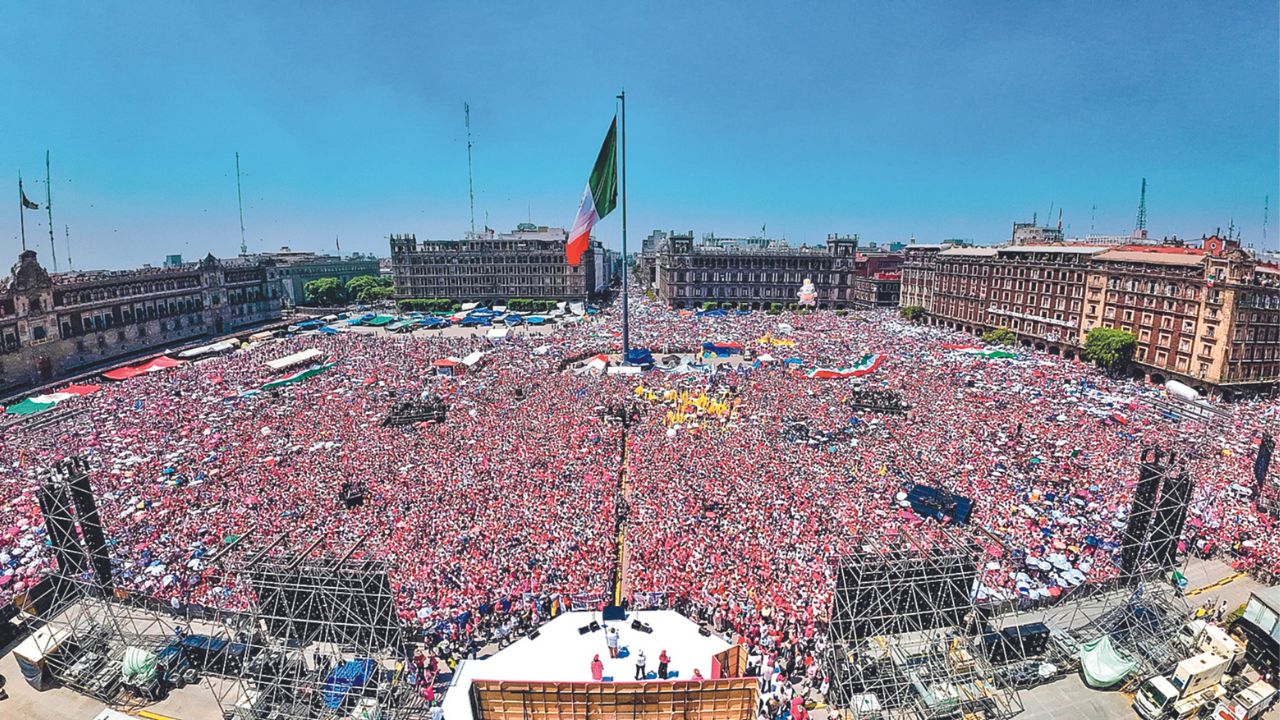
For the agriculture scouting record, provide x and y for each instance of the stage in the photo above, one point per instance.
(559, 653)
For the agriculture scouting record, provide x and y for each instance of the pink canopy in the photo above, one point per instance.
(81, 389)
(152, 365)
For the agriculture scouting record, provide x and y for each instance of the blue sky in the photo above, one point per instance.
(885, 119)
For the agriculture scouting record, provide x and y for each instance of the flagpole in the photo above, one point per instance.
(22, 213)
(626, 330)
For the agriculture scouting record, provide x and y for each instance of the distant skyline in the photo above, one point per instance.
(938, 120)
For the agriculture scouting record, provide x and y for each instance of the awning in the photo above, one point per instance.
(152, 365)
(218, 347)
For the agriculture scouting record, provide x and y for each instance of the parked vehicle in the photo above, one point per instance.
(1196, 683)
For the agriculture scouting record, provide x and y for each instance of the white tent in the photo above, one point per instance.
(472, 359)
(498, 333)
(297, 358)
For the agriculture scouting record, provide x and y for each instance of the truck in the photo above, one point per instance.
(1195, 683)
(1199, 635)
(1249, 704)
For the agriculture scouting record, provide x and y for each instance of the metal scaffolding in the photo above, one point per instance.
(906, 639)
(321, 637)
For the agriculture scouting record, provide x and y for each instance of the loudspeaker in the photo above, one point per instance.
(1171, 515)
(59, 523)
(584, 629)
(1141, 512)
(595, 626)
(641, 627)
(704, 632)
(533, 635)
(91, 525)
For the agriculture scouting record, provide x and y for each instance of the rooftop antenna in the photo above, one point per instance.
(48, 205)
(70, 265)
(1266, 210)
(1050, 215)
(1140, 227)
(1093, 218)
(244, 249)
(471, 188)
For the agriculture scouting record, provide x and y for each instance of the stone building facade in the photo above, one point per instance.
(689, 275)
(56, 325)
(1208, 315)
(919, 263)
(493, 267)
(297, 268)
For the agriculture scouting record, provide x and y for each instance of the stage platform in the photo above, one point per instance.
(560, 653)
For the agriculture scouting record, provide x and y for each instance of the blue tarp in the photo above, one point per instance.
(639, 356)
(348, 675)
(712, 313)
(329, 331)
(308, 324)
(535, 320)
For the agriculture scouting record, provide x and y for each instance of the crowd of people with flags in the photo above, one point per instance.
(509, 511)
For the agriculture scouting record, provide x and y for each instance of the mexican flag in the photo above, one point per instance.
(990, 354)
(598, 200)
(298, 376)
(866, 365)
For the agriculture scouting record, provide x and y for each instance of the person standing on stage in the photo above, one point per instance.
(640, 665)
(611, 641)
(597, 669)
(663, 660)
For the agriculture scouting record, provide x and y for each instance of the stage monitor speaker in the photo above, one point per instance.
(641, 627)
(595, 626)
(90, 524)
(533, 635)
(704, 632)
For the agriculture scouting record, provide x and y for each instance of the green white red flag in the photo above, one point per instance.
(598, 200)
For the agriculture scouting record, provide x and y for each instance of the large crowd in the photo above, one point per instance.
(509, 511)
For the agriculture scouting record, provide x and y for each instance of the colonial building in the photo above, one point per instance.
(756, 274)
(57, 325)
(493, 267)
(919, 264)
(1208, 315)
(297, 268)
(877, 279)
(1205, 315)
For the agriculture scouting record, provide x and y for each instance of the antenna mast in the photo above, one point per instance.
(471, 187)
(1140, 227)
(48, 205)
(70, 265)
(1266, 210)
(244, 249)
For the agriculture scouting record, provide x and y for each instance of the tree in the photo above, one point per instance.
(376, 294)
(361, 288)
(999, 336)
(1110, 348)
(324, 291)
(913, 313)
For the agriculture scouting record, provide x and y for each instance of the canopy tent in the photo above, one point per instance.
(298, 376)
(131, 371)
(213, 349)
(472, 359)
(1101, 665)
(722, 349)
(597, 364)
(498, 333)
(380, 320)
(298, 358)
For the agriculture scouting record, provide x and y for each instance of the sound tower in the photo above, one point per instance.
(90, 523)
(1170, 517)
(59, 522)
(1262, 463)
(1133, 546)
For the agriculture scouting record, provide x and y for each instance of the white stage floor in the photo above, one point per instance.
(560, 653)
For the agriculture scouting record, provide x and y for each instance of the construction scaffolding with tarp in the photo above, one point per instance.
(1122, 630)
(906, 639)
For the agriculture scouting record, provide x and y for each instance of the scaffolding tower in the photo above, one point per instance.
(320, 638)
(906, 639)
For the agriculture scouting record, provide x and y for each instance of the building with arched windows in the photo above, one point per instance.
(56, 325)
